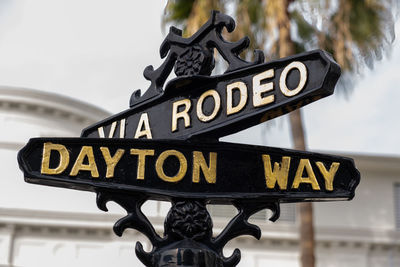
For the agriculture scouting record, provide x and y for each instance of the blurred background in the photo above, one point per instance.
(67, 64)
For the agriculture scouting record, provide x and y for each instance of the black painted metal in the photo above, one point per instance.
(241, 177)
(240, 171)
(195, 55)
(323, 73)
(187, 239)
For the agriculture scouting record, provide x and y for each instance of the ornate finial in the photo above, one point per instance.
(194, 56)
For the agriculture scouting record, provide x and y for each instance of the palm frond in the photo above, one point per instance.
(178, 10)
(356, 32)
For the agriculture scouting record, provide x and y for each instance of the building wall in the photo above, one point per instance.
(26, 113)
(373, 205)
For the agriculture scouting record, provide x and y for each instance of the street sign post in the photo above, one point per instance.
(165, 147)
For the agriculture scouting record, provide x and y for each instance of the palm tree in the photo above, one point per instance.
(355, 32)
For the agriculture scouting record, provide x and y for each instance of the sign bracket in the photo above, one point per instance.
(187, 222)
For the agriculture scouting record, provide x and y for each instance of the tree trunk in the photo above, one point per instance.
(305, 210)
(286, 48)
(200, 13)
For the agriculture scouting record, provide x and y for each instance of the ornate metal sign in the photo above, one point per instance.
(191, 168)
(197, 105)
(212, 107)
(221, 172)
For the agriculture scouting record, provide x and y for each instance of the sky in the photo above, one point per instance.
(96, 51)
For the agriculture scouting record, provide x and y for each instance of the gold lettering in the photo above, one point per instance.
(217, 104)
(183, 114)
(64, 158)
(143, 121)
(310, 179)
(279, 174)
(142, 153)
(328, 175)
(86, 152)
(259, 89)
(241, 86)
(303, 78)
(111, 162)
(199, 162)
(182, 166)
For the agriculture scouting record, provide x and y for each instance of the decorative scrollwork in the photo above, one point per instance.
(195, 55)
(187, 231)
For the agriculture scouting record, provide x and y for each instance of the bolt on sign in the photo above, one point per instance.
(165, 147)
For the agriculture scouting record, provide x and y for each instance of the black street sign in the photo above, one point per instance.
(165, 147)
(212, 107)
(220, 172)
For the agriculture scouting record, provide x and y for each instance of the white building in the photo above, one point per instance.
(44, 226)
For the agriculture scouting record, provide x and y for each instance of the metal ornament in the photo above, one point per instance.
(194, 56)
(184, 163)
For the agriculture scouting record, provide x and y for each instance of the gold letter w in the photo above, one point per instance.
(279, 174)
